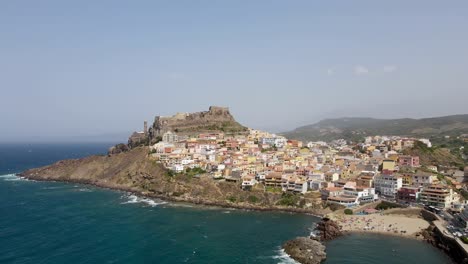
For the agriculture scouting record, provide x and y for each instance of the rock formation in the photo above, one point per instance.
(216, 119)
(310, 250)
(305, 250)
(328, 229)
(119, 148)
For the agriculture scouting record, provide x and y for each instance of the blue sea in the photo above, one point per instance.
(51, 222)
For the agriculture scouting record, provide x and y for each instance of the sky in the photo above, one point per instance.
(78, 70)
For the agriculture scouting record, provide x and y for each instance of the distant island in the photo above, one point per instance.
(209, 158)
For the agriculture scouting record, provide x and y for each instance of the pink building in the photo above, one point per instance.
(411, 161)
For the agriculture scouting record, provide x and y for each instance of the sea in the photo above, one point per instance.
(53, 222)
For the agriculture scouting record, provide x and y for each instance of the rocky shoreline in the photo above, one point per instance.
(133, 171)
(305, 250)
(191, 200)
(311, 250)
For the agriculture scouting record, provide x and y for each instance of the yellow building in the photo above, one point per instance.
(251, 159)
(339, 162)
(407, 179)
(388, 164)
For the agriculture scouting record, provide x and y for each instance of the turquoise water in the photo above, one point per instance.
(48, 222)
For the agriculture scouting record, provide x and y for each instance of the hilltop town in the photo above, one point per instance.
(342, 174)
(209, 158)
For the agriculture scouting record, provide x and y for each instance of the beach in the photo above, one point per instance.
(392, 224)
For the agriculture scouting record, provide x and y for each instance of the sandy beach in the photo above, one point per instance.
(381, 223)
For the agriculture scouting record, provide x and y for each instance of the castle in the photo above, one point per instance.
(216, 119)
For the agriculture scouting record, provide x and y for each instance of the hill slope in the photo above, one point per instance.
(136, 172)
(436, 156)
(357, 128)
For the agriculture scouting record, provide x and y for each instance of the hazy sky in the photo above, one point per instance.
(74, 69)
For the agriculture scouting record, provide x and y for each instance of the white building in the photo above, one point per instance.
(169, 137)
(426, 141)
(248, 182)
(364, 194)
(178, 168)
(387, 185)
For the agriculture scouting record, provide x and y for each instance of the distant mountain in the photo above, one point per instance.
(356, 128)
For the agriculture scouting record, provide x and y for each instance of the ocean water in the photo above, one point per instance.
(51, 222)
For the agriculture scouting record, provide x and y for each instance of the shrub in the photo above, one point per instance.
(348, 211)
(252, 199)
(386, 205)
(333, 206)
(288, 199)
(232, 199)
(273, 189)
(464, 239)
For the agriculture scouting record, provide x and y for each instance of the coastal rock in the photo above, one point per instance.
(305, 250)
(119, 148)
(328, 229)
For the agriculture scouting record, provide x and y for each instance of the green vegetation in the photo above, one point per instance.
(253, 199)
(288, 199)
(195, 171)
(464, 194)
(333, 206)
(152, 151)
(273, 189)
(464, 239)
(387, 205)
(170, 173)
(348, 211)
(435, 155)
(232, 199)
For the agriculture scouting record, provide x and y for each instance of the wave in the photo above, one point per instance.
(131, 199)
(13, 177)
(9, 176)
(52, 188)
(283, 258)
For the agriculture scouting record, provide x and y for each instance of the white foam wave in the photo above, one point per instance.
(52, 188)
(135, 199)
(9, 176)
(283, 258)
(12, 177)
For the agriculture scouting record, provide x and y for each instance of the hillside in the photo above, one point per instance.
(136, 172)
(436, 156)
(355, 129)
